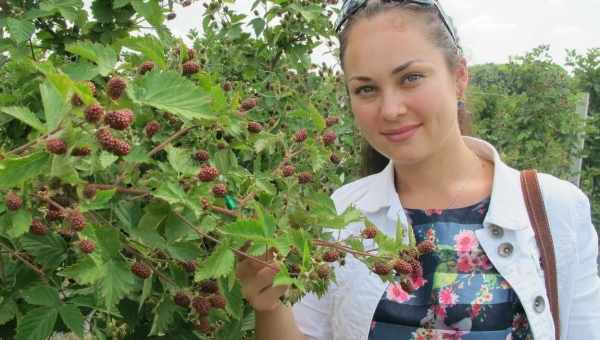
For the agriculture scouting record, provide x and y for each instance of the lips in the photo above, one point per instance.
(401, 130)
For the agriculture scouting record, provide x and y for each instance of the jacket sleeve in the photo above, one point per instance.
(313, 315)
(584, 318)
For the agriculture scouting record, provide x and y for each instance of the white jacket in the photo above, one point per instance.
(346, 310)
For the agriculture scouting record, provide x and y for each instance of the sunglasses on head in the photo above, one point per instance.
(350, 7)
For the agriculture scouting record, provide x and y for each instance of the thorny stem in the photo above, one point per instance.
(27, 263)
(169, 140)
(24, 147)
(121, 189)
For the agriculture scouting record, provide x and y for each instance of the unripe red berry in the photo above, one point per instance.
(329, 137)
(426, 246)
(324, 271)
(208, 173)
(189, 68)
(81, 151)
(13, 201)
(255, 127)
(105, 138)
(182, 300)
(331, 120)
(76, 100)
(203, 326)
(119, 120)
(76, 220)
(369, 232)
(228, 86)
(56, 146)
(87, 246)
(201, 305)
(402, 267)
(38, 228)
(54, 215)
(120, 147)
(304, 177)
(141, 270)
(331, 256)
(189, 266)
(152, 128)
(288, 170)
(335, 159)
(202, 155)
(147, 66)
(218, 301)
(248, 104)
(301, 136)
(89, 191)
(115, 87)
(220, 190)
(381, 268)
(209, 287)
(417, 267)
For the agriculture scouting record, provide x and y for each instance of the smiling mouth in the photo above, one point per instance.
(402, 134)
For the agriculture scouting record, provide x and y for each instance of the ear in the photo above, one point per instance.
(461, 75)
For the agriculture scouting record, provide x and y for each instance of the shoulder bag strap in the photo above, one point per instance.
(539, 222)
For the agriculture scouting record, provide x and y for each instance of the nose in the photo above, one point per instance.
(393, 105)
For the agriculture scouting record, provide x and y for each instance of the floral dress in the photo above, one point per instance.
(460, 295)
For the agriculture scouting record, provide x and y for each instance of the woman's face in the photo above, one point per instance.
(403, 95)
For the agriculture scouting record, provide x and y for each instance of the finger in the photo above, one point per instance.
(249, 267)
(243, 249)
(269, 299)
(262, 280)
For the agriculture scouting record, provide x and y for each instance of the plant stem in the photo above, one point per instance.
(169, 140)
(27, 263)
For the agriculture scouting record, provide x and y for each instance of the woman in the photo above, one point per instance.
(405, 74)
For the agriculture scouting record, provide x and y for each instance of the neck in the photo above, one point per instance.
(454, 176)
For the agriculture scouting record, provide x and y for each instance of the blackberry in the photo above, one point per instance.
(201, 305)
(228, 86)
(335, 159)
(287, 170)
(305, 177)
(87, 246)
(76, 220)
(13, 201)
(141, 270)
(54, 215)
(186, 3)
(255, 127)
(209, 287)
(324, 271)
(115, 87)
(331, 256)
(189, 266)
(119, 120)
(301, 136)
(220, 190)
(147, 66)
(218, 301)
(189, 68)
(329, 137)
(56, 146)
(417, 267)
(208, 173)
(38, 228)
(331, 120)
(120, 147)
(369, 232)
(76, 100)
(182, 300)
(171, 16)
(152, 128)
(203, 326)
(202, 156)
(426, 247)
(89, 191)
(381, 268)
(402, 267)
(81, 151)
(248, 104)
(407, 286)
(105, 138)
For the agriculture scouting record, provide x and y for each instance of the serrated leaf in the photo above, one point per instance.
(146, 291)
(171, 193)
(62, 167)
(266, 141)
(108, 241)
(220, 263)
(8, 310)
(399, 233)
(37, 324)
(117, 281)
(100, 200)
(169, 91)
(15, 171)
(54, 105)
(235, 301)
(180, 160)
(72, 317)
(84, 272)
(184, 251)
(42, 296)
(138, 154)
(25, 115)
(81, 70)
(107, 159)
(49, 250)
(69, 9)
(150, 46)
(105, 57)
(150, 10)
(247, 229)
(163, 316)
(20, 222)
(259, 25)
(20, 30)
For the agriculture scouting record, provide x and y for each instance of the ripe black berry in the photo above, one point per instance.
(208, 173)
(255, 127)
(56, 146)
(147, 66)
(329, 137)
(115, 87)
(181, 299)
(141, 270)
(119, 120)
(38, 228)
(189, 68)
(152, 128)
(220, 190)
(202, 156)
(171, 16)
(209, 287)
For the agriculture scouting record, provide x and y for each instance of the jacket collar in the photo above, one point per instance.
(507, 207)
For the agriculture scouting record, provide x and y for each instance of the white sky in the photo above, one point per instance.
(490, 30)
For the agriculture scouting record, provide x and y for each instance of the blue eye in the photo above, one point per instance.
(411, 78)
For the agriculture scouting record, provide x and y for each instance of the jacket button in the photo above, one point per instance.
(539, 304)
(496, 231)
(505, 249)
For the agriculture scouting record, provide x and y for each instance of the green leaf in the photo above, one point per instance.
(259, 25)
(150, 46)
(163, 316)
(104, 56)
(54, 105)
(8, 310)
(117, 281)
(37, 324)
(150, 10)
(171, 192)
(62, 167)
(107, 159)
(42, 296)
(69, 9)
(180, 160)
(20, 30)
(108, 241)
(73, 318)
(100, 200)
(399, 233)
(84, 272)
(146, 291)
(23, 114)
(443, 279)
(20, 222)
(247, 229)
(15, 171)
(220, 263)
(49, 250)
(169, 91)
(235, 300)
(81, 70)
(184, 251)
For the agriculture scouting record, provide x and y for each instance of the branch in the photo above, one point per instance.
(133, 191)
(27, 263)
(169, 140)
(33, 142)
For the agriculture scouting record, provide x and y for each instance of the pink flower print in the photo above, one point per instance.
(476, 261)
(396, 293)
(509, 336)
(447, 296)
(417, 281)
(373, 324)
(475, 309)
(519, 322)
(433, 211)
(464, 264)
(430, 234)
(465, 241)
(485, 263)
(487, 297)
(440, 311)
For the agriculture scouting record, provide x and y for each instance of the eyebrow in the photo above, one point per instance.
(396, 70)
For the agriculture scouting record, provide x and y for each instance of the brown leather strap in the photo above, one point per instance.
(541, 227)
